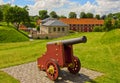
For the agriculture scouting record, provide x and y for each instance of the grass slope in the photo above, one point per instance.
(9, 34)
(97, 54)
(111, 37)
(5, 78)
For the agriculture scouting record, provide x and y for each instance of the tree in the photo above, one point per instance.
(108, 24)
(110, 15)
(62, 16)
(83, 15)
(72, 15)
(1, 15)
(43, 14)
(116, 24)
(4, 9)
(53, 14)
(34, 18)
(16, 15)
(89, 15)
(103, 17)
(97, 16)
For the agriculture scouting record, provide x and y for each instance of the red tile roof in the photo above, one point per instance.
(82, 21)
(22, 27)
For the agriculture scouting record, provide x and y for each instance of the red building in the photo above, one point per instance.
(82, 25)
(22, 27)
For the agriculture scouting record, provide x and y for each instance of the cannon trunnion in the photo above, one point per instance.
(60, 54)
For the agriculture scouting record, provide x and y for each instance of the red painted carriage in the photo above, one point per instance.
(60, 54)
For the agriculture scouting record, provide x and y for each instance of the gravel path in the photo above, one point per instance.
(29, 73)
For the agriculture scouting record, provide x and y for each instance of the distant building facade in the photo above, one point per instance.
(52, 28)
(23, 27)
(82, 25)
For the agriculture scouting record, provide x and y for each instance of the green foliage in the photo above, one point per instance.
(97, 16)
(62, 16)
(53, 14)
(4, 9)
(1, 15)
(83, 15)
(34, 18)
(72, 15)
(8, 34)
(108, 25)
(89, 15)
(30, 24)
(86, 15)
(38, 28)
(71, 31)
(98, 29)
(110, 15)
(116, 24)
(43, 14)
(16, 15)
(103, 17)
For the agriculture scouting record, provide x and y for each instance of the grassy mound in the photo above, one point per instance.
(111, 37)
(9, 34)
(103, 57)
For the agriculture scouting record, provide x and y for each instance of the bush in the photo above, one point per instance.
(38, 28)
(71, 31)
(98, 29)
(32, 24)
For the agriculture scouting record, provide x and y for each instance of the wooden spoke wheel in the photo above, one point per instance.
(75, 67)
(52, 69)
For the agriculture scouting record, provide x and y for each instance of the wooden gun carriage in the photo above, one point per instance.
(60, 54)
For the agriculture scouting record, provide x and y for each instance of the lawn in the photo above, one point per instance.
(10, 34)
(97, 54)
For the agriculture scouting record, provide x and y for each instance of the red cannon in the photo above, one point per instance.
(60, 54)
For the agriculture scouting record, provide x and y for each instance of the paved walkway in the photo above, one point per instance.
(29, 73)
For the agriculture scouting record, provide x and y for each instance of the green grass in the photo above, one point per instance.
(5, 78)
(9, 34)
(111, 37)
(97, 54)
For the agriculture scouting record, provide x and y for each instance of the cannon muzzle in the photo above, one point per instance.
(83, 39)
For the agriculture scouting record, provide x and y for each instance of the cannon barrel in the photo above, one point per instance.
(83, 39)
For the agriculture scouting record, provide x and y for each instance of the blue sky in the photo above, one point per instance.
(63, 7)
(31, 2)
(83, 1)
(20, 2)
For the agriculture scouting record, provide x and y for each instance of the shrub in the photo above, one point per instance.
(38, 28)
(71, 31)
(98, 29)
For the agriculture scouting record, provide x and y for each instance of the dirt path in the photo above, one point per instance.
(29, 73)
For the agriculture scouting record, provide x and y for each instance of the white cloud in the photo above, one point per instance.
(63, 7)
(47, 4)
(108, 6)
(12, 1)
(1, 2)
(98, 7)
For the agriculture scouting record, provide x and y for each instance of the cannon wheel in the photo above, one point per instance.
(52, 69)
(76, 66)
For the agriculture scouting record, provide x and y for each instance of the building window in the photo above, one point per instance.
(63, 29)
(58, 28)
(54, 29)
(49, 30)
